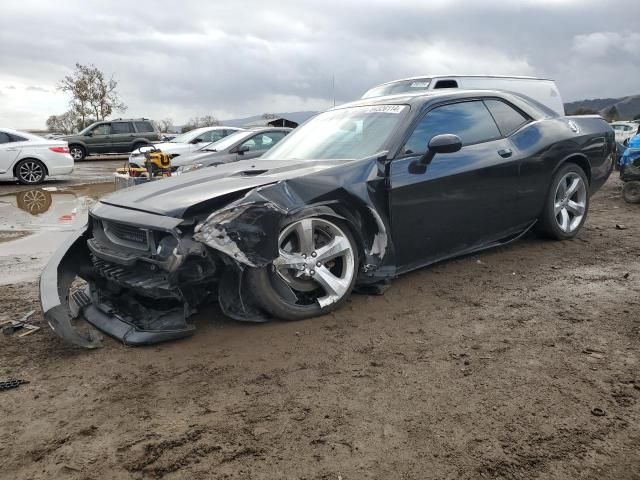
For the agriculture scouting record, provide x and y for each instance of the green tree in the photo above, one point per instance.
(65, 123)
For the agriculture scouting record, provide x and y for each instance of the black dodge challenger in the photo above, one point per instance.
(359, 194)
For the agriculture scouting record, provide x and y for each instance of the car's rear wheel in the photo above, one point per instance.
(314, 273)
(77, 152)
(631, 192)
(30, 171)
(567, 204)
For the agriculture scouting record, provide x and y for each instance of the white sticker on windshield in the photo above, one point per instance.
(385, 109)
(419, 85)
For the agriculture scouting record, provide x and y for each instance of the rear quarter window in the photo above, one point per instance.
(507, 117)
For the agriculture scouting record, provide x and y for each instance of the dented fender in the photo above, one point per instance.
(247, 230)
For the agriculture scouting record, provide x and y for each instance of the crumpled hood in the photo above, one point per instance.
(174, 195)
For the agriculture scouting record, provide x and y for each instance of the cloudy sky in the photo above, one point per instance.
(236, 58)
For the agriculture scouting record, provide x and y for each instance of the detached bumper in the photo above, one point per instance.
(66, 263)
(60, 308)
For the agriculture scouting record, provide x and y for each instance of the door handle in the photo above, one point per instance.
(505, 152)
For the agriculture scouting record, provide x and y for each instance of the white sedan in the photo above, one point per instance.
(30, 158)
(185, 143)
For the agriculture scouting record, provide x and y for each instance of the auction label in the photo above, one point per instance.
(385, 109)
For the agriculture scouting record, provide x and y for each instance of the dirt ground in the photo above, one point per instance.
(489, 366)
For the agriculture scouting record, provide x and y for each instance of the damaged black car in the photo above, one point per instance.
(356, 196)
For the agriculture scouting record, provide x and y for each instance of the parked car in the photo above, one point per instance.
(542, 90)
(242, 145)
(112, 136)
(359, 194)
(624, 131)
(30, 158)
(185, 143)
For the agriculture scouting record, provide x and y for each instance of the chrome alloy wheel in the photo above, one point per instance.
(31, 171)
(316, 260)
(76, 153)
(570, 202)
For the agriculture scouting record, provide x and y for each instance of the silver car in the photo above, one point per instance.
(243, 145)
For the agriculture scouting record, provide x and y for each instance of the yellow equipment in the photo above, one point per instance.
(156, 164)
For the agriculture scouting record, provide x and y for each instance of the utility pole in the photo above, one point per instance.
(333, 88)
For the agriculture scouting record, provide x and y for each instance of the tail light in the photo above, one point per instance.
(59, 149)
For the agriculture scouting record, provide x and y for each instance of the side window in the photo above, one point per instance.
(507, 118)
(210, 136)
(4, 138)
(269, 139)
(215, 135)
(144, 127)
(102, 129)
(251, 143)
(471, 121)
(121, 127)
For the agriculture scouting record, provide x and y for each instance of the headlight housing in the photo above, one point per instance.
(166, 246)
(189, 168)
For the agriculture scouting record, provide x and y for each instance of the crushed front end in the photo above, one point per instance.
(143, 279)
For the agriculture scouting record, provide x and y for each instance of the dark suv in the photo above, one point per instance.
(112, 136)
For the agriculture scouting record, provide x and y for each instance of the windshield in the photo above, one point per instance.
(347, 133)
(226, 142)
(187, 137)
(402, 86)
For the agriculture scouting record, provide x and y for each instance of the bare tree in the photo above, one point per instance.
(165, 124)
(198, 122)
(91, 93)
(208, 121)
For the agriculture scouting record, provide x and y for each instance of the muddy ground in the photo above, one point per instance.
(489, 366)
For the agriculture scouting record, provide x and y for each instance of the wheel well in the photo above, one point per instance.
(71, 145)
(15, 167)
(583, 163)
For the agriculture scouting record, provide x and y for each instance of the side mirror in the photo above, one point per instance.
(446, 143)
(196, 140)
(242, 149)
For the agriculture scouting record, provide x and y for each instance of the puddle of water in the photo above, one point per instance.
(33, 223)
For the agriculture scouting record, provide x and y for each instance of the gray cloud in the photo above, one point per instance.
(246, 57)
(32, 88)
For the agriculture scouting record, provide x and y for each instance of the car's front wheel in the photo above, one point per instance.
(314, 273)
(567, 204)
(77, 152)
(30, 171)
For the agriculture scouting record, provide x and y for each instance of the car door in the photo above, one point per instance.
(9, 152)
(100, 139)
(122, 136)
(461, 200)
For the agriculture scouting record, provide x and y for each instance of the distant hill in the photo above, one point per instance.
(627, 107)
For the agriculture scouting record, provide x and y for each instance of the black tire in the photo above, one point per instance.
(30, 171)
(548, 224)
(77, 152)
(631, 192)
(262, 285)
